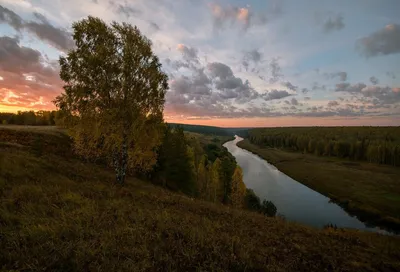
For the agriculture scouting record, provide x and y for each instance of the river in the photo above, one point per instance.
(295, 201)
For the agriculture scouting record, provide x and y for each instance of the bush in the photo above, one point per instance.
(268, 208)
(252, 201)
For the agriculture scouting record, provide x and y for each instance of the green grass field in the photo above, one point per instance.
(58, 213)
(370, 191)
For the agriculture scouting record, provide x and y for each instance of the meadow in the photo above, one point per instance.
(60, 213)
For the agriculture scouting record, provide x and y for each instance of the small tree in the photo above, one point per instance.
(114, 95)
(268, 208)
(238, 191)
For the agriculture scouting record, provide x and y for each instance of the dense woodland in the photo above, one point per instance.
(373, 144)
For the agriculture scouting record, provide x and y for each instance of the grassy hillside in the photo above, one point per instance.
(370, 191)
(61, 214)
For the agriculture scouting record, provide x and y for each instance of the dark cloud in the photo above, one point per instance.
(155, 26)
(346, 87)
(385, 41)
(252, 57)
(305, 90)
(27, 81)
(332, 104)
(57, 37)
(333, 23)
(294, 101)
(290, 86)
(220, 70)
(341, 75)
(316, 86)
(276, 71)
(373, 80)
(9, 17)
(307, 98)
(275, 94)
(376, 94)
(189, 53)
(125, 9)
(20, 59)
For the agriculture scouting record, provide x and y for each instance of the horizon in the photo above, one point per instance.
(231, 64)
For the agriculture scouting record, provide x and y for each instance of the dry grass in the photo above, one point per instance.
(60, 214)
(370, 191)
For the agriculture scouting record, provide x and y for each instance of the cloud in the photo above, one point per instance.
(276, 71)
(385, 41)
(333, 104)
(57, 37)
(224, 15)
(220, 70)
(294, 102)
(332, 24)
(290, 86)
(228, 15)
(27, 81)
(252, 57)
(125, 9)
(346, 87)
(341, 75)
(275, 94)
(378, 95)
(391, 75)
(189, 53)
(373, 80)
(11, 18)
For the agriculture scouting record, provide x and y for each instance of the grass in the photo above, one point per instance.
(370, 191)
(58, 213)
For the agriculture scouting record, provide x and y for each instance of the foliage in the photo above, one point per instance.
(114, 95)
(176, 163)
(373, 144)
(58, 213)
(252, 201)
(268, 208)
(238, 189)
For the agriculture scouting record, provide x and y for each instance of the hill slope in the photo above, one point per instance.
(59, 213)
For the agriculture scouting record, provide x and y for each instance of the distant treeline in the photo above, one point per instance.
(30, 118)
(373, 144)
(210, 130)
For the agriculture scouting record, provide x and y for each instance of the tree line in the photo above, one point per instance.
(30, 118)
(372, 144)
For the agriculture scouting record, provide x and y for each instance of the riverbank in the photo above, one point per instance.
(70, 216)
(369, 191)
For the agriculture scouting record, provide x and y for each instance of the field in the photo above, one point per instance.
(59, 213)
(370, 191)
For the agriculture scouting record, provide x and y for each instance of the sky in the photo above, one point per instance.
(230, 63)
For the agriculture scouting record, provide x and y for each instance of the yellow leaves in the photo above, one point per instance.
(238, 190)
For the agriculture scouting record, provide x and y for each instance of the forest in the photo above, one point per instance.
(372, 144)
